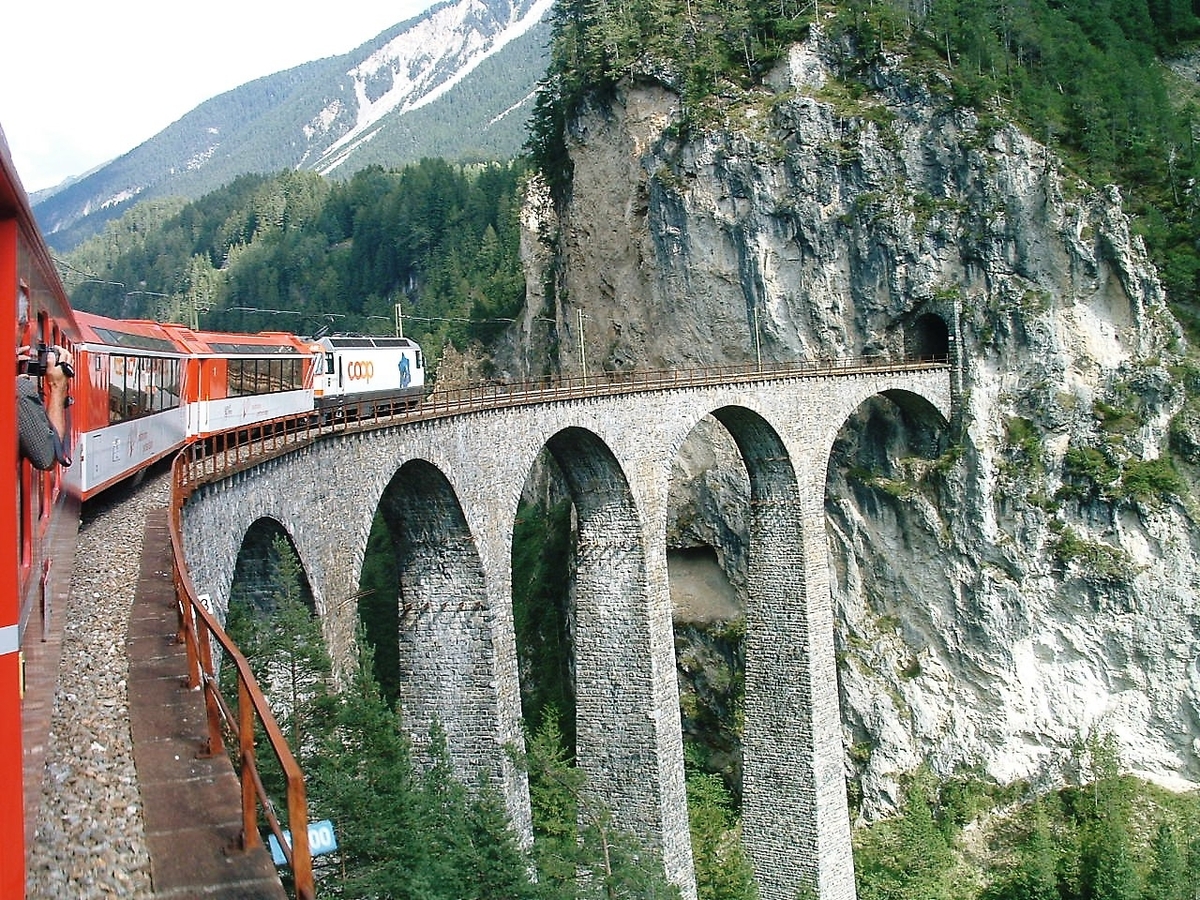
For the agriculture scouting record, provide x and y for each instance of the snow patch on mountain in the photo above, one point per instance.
(421, 64)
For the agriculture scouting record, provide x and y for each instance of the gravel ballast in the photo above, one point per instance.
(90, 838)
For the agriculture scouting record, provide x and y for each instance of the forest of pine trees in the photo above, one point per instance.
(294, 252)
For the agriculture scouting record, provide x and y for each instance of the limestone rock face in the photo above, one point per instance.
(1001, 588)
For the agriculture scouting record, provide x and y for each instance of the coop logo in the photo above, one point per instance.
(360, 371)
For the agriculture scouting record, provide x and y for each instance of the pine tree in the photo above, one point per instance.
(363, 780)
(1167, 879)
(1108, 866)
(722, 870)
(554, 785)
(578, 851)
(299, 666)
(1193, 868)
(907, 858)
(1112, 873)
(1035, 875)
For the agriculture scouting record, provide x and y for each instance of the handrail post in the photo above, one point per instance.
(302, 873)
(250, 835)
(187, 633)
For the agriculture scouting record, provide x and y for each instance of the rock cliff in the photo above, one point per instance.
(1005, 587)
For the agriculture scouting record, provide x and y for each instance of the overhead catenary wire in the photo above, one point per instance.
(69, 270)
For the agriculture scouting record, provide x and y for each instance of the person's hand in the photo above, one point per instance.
(56, 374)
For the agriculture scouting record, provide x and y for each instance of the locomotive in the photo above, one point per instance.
(388, 372)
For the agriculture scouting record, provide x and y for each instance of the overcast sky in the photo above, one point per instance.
(82, 82)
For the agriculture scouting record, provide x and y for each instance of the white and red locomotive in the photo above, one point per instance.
(387, 371)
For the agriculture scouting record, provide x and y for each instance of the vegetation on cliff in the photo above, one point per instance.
(1106, 836)
(1088, 78)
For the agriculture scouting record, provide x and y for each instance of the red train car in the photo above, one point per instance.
(38, 556)
(129, 388)
(144, 389)
(239, 379)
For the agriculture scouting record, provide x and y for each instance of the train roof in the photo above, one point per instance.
(229, 344)
(128, 334)
(338, 341)
(170, 337)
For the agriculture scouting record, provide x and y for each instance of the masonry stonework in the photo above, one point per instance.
(449, 489)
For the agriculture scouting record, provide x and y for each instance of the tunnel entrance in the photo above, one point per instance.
(928, 338)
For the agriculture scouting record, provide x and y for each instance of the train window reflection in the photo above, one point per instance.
(141, 385)
(263, 376)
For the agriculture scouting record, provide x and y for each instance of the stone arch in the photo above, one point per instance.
(617, 734)
(871, 432)
(444, 637)
(706, 541)
(253, 571)
(781, 794)
(927, 338)
(883, 455)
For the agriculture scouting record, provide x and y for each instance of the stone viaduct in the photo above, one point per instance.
(449, 489)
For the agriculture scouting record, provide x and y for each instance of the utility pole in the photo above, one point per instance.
(757, 341)
(582, 358)
(399, 322)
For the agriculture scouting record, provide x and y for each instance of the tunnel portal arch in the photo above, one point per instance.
(928, 338)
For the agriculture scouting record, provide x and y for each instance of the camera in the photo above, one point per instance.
(47, 358)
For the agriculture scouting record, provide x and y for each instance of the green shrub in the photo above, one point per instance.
(1152, 479)
(1087, 474)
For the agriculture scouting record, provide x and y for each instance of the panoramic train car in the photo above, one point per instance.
(234, 380)
(128, 409)
(386, 371)
(38, 557)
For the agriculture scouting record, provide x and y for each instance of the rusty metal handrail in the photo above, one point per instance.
(198, 629)
(220, 455)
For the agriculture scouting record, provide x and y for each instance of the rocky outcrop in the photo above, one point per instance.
(1002, 588)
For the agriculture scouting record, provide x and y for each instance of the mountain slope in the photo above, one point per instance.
(455, 82)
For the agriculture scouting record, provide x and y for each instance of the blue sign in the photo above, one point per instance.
(320, 840)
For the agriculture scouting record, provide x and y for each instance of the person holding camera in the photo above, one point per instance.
(42, 426)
